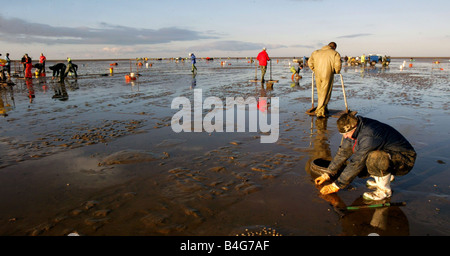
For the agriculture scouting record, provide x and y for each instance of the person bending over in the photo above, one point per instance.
(370, 146)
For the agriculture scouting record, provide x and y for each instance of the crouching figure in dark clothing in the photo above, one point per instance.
(58, 70)
(370, 146)
(40, 68)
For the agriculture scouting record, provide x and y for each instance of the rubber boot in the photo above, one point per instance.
(383, 189)
(371, 184)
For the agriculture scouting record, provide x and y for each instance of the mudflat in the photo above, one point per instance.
(98, 156)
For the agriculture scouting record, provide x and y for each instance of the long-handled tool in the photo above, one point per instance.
(271, 81)
(375, 206)
(343, 91)
(312, 109)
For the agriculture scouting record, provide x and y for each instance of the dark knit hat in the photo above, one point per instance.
(347, 122)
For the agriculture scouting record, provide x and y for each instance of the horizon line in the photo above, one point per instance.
(251, 57)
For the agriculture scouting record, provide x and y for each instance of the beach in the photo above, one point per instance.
(97, 155)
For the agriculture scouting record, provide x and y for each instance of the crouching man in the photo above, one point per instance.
(370, 146)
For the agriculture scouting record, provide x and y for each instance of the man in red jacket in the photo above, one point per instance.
(263, 57)
(42, 60)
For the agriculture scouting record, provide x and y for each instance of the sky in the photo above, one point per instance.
(116, 29)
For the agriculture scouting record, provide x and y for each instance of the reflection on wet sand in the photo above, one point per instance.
(383, 221)
(30, 88)
(7, 102)
(194, 81)
(60, 91)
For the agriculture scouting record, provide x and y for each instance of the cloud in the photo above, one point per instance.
(20, 31)
(303, 46)
(355, 35)
(234, 46)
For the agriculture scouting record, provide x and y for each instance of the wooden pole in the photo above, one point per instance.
(343, 91)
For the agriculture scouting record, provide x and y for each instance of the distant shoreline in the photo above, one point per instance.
(234, 58)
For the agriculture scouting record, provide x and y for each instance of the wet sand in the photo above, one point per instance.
(98, 156)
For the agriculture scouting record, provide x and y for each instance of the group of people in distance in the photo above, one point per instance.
(59, 69)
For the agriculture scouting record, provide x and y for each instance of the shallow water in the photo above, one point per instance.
(57, 175)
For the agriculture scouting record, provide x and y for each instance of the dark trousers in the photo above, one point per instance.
(381, 163)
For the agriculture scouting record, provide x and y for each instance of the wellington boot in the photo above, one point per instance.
(377, 195)
(320, 112)
(383, 189)
(372, 183)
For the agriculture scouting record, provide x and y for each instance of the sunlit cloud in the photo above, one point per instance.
(20, 31)
(355, 35)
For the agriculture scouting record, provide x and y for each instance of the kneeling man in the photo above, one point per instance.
(370, 146)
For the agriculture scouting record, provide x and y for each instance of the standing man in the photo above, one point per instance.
(42, 60)
(324, 63)
(363, 60)
(373, 146)
(263, 57)
(193, 61)
(28, 65)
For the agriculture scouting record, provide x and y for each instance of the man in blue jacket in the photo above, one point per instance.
(193, 61)
(373, 146)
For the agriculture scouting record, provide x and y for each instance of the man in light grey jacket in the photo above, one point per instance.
(324, 63)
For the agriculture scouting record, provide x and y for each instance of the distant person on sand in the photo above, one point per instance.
(193, 61)
(70, 68)
(42, 60)
(58, 70)
(372, 148)
(24, 63)
(324, 63)
(2, 69)
(263, 57)
(39, 67)
(8, 65)
(28, 66)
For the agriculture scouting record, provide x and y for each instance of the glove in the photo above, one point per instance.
(329, 189)
(324, 177)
